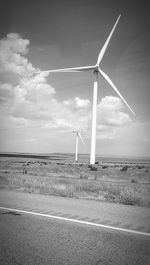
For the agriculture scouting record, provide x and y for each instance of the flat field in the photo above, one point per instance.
(119, 180)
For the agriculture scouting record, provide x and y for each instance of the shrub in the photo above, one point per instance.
(83, 176)
(134, 180)
(95, 177)
(124, 168)
(103, 167)
(25, 171)
(93, 168)
(130, 197)
(140, 166)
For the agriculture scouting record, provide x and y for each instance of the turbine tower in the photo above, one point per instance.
(96, 71)
(78, 135)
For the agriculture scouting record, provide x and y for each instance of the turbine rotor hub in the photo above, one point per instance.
(96, 69)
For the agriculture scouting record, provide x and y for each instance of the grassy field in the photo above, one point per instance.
(112, 180)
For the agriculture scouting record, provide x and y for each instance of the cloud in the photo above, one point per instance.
(12, 51)
(82, 103)
(6, 92)
(34, 99)
(77, 103)
(109, 112)
(106, 132)
(110, 118)
(30, 140)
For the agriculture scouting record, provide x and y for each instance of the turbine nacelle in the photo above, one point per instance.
(77, 132)
(96, 69)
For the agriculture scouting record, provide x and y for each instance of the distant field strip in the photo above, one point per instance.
(127, 184)
(83, 222)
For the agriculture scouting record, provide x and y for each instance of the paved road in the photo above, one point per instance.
(30, 239)
(27, 239)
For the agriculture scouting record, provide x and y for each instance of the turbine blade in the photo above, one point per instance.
(117, 91)
(81, 138)
(101, 54)
(74, 69)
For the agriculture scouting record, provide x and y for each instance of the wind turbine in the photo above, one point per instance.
(96, 71)
(78, 135)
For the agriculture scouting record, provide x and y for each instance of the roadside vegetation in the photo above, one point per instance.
(126, 184)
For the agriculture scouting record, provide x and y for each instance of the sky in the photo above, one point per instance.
(38, 110)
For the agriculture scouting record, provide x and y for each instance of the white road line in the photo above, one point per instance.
(77, 221)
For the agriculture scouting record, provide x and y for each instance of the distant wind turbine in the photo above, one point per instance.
(78, 135)
(96, 70)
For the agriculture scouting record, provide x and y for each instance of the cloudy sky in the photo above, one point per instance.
(39, 110)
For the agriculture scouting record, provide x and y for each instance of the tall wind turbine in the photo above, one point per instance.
(78, 135)
(96, 71)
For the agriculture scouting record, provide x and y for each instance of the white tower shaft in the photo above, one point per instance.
(76, 158)
(93, 136)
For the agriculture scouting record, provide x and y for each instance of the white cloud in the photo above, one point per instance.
(111, 103)
(30, 140)
(6, 92)
(77, 104)
(82, 103)
(106, 132)
(18, 121)
(109, 112)
(12, 49)
(110, 118)
(34, 99)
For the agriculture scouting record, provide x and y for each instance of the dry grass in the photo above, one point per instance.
(108, 183)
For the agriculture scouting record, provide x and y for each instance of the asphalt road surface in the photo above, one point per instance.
(27, 239)
(32, 239)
